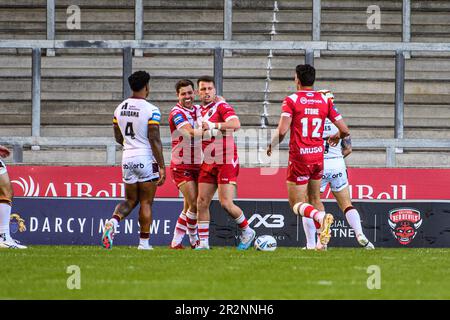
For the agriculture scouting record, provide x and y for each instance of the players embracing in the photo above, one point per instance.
(205, 130)
(304, 113)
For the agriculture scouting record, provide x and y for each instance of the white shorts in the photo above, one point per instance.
(337, 178)
(2, 167)
(139, 169)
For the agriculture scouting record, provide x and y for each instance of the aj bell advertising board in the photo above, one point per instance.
(81, 221)
(69, 205)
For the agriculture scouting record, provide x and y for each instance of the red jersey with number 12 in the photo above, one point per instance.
(308, 110)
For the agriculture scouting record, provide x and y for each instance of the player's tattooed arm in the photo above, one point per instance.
(118, 135)
(343, 132)
(155, 142)
(346, 144)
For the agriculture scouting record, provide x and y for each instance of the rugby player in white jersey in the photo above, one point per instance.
(136, 128)
(6, 197)
(335, 174)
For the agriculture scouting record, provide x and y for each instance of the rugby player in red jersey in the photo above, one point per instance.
(304, 113)
(186, 135)
(220, 166)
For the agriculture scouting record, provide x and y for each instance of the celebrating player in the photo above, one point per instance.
(186, 160)
(335, 174)
(6, 197)
(220, 166)
(304, 112)
(136, 127)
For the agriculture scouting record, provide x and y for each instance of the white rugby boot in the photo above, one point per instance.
(246, 238)
(9, 243)
(144, 247)
(364, 242)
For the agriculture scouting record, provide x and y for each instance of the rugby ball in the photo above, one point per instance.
(265, 243)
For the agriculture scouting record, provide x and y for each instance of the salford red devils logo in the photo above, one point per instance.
(404, 223)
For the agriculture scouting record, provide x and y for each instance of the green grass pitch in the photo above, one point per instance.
(223, 273)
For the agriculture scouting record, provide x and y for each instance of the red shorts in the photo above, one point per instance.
(218, 173)
(300, 173)
(181, 175)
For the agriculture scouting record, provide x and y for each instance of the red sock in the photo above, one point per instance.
(242, 222)
(203, 232)
(191, 222)
(180, 230)
(309, 211)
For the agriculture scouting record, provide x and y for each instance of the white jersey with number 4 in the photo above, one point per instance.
(133, 117)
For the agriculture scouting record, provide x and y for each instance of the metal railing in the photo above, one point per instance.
(390, 146)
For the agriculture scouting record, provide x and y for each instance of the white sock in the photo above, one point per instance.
(354, 220)
(180, 229)
(319, 216)
(203, 233)
(144, 242)
(310, 232)
(242, 223)
(5, 214)
(191, 223)
(114, 222)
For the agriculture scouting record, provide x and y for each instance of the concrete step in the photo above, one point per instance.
(411, 111)
(358, 63)
(98, 130)
(110, 86)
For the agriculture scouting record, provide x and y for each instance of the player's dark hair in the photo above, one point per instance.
(306, 74)
(138, 80)
(206, 79)
(183, 83)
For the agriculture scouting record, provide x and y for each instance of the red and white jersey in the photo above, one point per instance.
(217, 112)
(190, 153)
(308, 110)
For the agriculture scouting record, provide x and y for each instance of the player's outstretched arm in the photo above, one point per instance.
(4, 152)
(283, 127)
(118, 134)
(155, 142)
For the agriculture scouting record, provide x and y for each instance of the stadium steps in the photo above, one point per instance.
(105, 130)
(341, 20)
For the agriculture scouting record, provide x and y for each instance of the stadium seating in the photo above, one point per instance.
(80, 88)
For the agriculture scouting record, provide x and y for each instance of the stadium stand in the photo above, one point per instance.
(80, 88)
